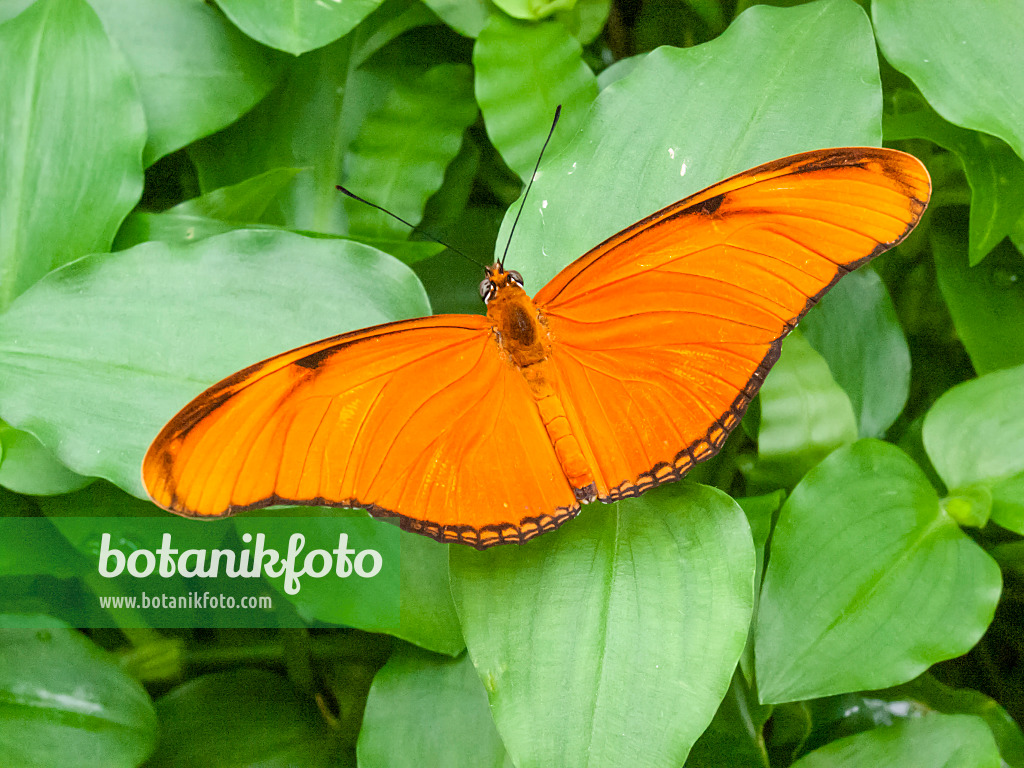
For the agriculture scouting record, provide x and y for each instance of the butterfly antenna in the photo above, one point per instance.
(558, 111)
(413, 227)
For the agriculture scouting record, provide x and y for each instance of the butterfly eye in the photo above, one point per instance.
(486, 289)
(515, 277)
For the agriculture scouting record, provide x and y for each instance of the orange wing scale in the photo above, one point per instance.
(637, 359)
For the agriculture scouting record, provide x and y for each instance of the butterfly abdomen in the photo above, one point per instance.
(525, 340)
(567, 447)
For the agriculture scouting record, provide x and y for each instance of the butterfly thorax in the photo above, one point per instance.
(518, 324)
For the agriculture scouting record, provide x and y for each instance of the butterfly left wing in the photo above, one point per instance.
(665, 332)
(419, 419)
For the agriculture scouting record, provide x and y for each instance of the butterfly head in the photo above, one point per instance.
(497, 277)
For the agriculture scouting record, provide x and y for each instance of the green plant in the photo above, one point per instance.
(168, 216)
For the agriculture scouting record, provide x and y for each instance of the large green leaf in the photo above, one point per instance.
(296, 26)
(439, 706)
(98, 355)
(778, 81)
(986, 301)
(611, 641)
(965, 57)
(974, 435)
(400, 154)
(240, 717)
(805, 415)
(64, 701)
(523, 71)
(856, 330)
(72, 134)
(994, 172)
(935, 741)
(196, 72)
(869, 582)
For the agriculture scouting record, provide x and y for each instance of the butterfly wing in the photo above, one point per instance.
(665, 332)
(422, 419)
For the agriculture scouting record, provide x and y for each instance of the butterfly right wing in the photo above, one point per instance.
(664, 333)
(422, 419)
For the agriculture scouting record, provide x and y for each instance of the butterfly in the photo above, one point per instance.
(631, 365)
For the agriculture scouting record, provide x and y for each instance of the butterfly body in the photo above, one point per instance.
(631, 365)
(522, 333)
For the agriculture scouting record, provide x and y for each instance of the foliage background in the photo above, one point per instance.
(168, 216)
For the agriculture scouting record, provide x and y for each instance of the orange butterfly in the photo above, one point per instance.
(631, 365)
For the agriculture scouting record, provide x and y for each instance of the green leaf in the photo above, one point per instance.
(429, 618)
(760, 510)
(440, 707)
(101, 353)
(64, 701)
(370, 604)
(77, 516)
(467, 17)
(965, 57)
(524, 71)
(586, 19)
(986, 301)
(869, 582)
(974, 436)
(29, 468)
(45, 552)
(296, 26)
(83, 517)
(11, 8)
(566, 631)
(926, 694)
(448, 205)
(805, 415)
(399, 157)
(209, 214)
(855, 329)
(533, 9)
(993, 171)
(196, 72)
(778, 81)
(242, 202)
(935, 741)
(240, 717)
(735, 735)
(73, 131)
